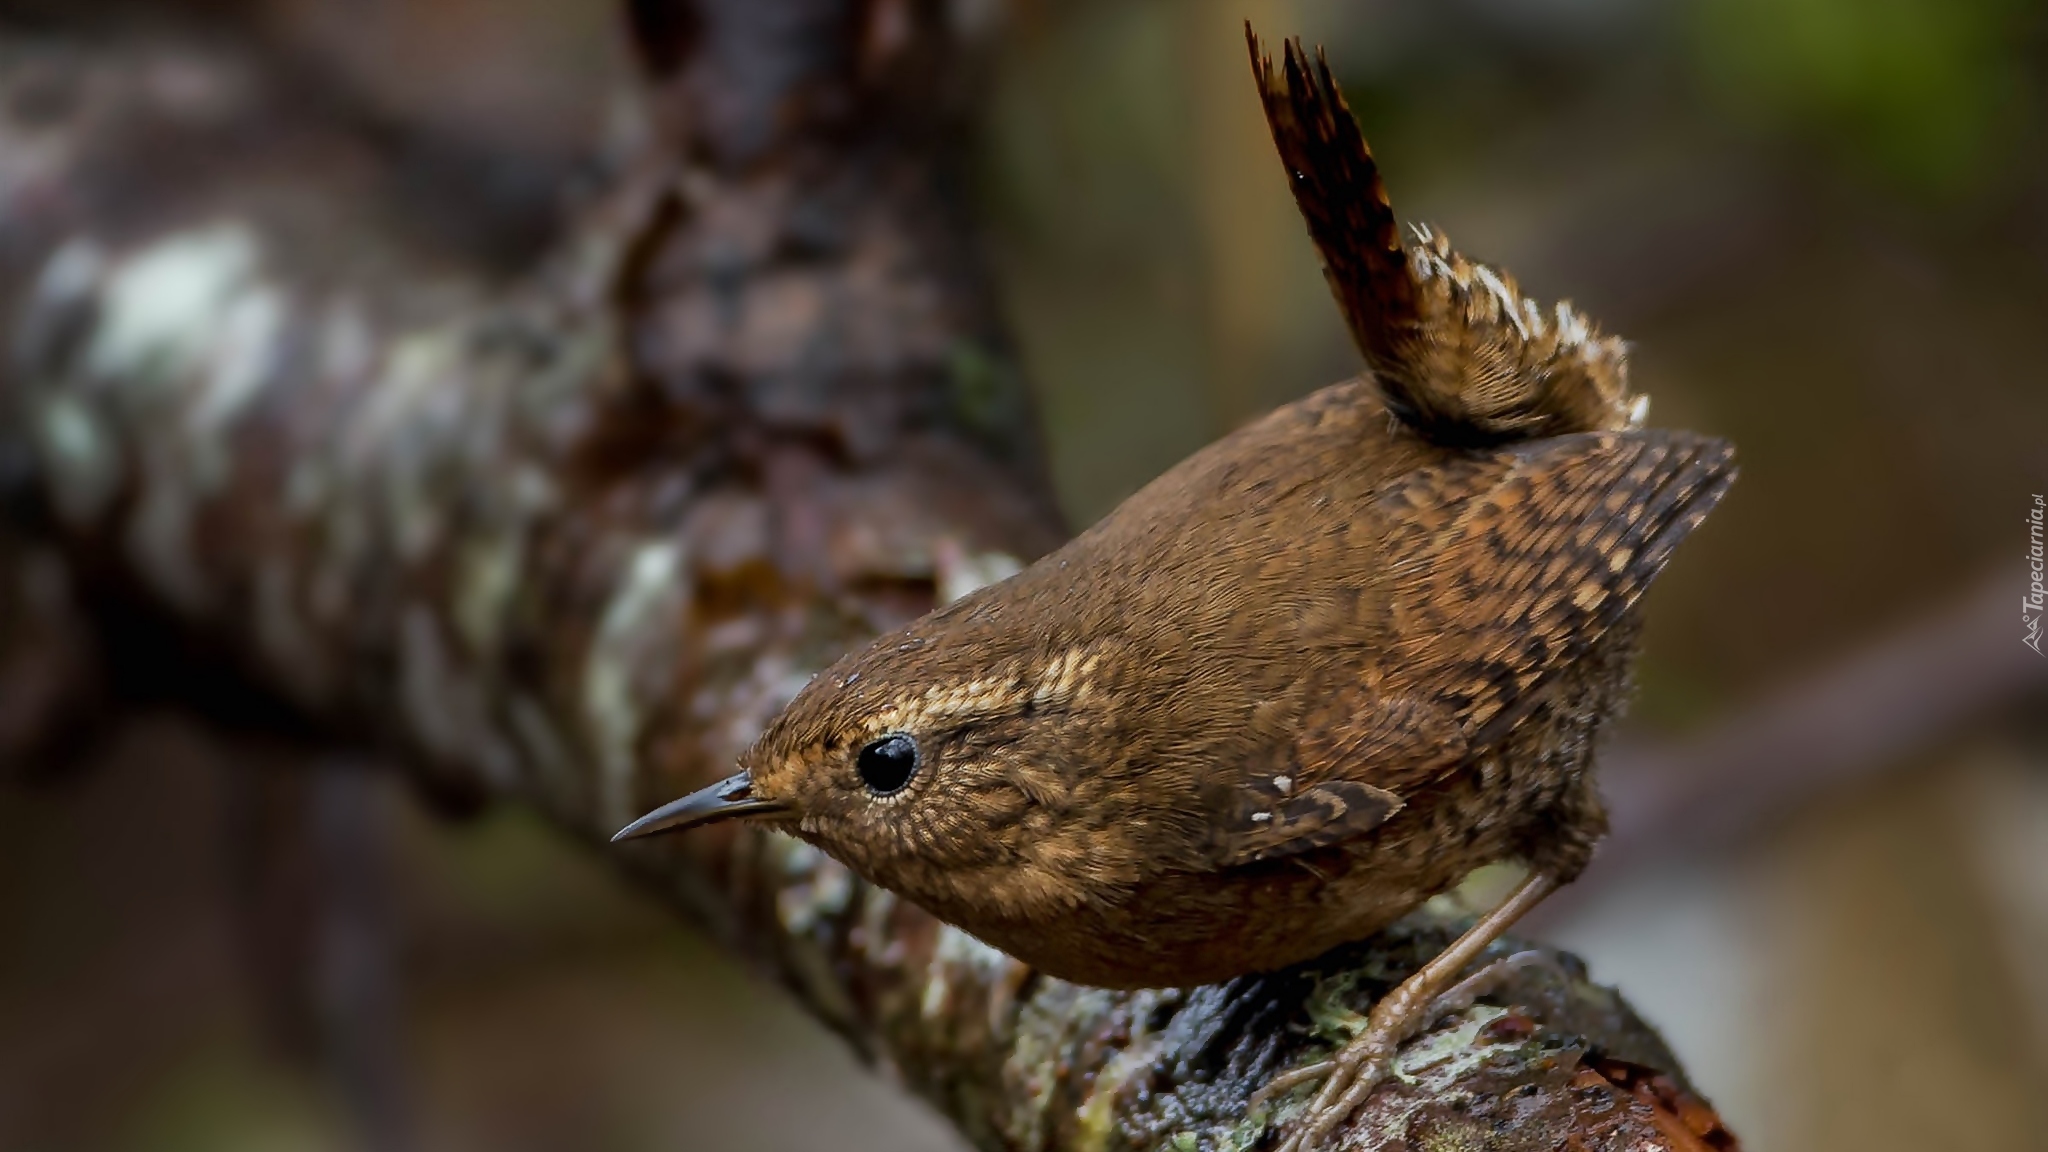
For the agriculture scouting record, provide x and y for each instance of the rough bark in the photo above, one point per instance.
(570, 537)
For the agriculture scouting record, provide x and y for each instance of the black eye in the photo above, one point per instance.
(887, 764)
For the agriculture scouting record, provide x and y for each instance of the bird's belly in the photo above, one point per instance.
(1186, 929)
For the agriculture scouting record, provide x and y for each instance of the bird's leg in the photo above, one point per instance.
(1484, 982)
(1349, 1078)
(1461, 996)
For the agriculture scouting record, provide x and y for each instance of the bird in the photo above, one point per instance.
(1306, 679)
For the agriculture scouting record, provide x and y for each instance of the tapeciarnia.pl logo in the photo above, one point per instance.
(2031, 607)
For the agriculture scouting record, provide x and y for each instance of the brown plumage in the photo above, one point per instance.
(1312, 675)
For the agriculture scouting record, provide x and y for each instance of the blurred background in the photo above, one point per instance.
(1823, 224)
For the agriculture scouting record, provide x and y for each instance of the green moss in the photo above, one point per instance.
(1246, 1133)
(1098, 1113)
(1330, 1017)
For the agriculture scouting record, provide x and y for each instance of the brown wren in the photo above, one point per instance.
(1309, 677)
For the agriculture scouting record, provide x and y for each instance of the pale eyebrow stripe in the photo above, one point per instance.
(1065, 678)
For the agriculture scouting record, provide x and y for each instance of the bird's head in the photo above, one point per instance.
(920, 761)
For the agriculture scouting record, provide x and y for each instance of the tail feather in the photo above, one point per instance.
(1338, 188)
(1458, 353)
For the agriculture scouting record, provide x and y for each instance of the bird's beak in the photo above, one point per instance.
(728, 799)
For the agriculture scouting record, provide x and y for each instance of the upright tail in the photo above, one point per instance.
(1458, 353)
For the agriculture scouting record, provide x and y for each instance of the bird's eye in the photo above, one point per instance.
(887, 764)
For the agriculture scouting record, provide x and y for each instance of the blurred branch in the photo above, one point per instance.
(1861, 715)
(310, 845)
(572, 540)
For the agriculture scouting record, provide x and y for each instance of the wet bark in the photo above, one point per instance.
(568, 536)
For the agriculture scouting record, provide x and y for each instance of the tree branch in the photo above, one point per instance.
(572, 540)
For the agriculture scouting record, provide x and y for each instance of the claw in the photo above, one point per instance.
(1419, 1001)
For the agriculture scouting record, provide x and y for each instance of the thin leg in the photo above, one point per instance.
(1461, 996)
(1400, 1014)
(1484, 982)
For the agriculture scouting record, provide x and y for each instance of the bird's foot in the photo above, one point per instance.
(1431, 993)
(1349, 1078)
